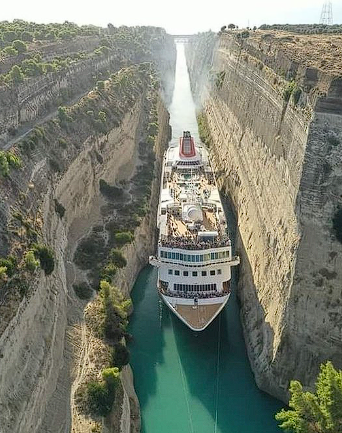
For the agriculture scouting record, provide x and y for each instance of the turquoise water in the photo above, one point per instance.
(190, 382)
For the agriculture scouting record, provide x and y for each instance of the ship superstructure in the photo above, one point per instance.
(194, 257)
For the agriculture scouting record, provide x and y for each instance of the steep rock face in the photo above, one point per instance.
(42, 353)
(279, 158)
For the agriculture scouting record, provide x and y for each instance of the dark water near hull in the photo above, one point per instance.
(190, 382)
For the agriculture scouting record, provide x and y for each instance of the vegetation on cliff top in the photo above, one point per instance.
(319, 412)
(304, 28)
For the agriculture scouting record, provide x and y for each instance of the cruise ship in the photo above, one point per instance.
(194, 256)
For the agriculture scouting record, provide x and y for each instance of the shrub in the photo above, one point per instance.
(111, 192)
(337, 224)
(4, 165)
(45, 256)
(99, 400)
(319, 412)
(63, 115)
(10, 263)
(220, 79)
(296, 95)
(101, 395)
(27, 36)
(333, 139)
(90, 251)
(122, 238)
(117, 258)
(31, 264)
(31, 68)
(13, 160)
(16, 75)
(10, 51)
(121, 355)
(3, 273)
(20, 46)
(83, 291)
(203, 129)
(59, 208)
(108, 272)
(100, 85)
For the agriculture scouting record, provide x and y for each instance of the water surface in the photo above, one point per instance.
(191, 382)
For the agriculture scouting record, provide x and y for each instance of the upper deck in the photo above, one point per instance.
(190, 210)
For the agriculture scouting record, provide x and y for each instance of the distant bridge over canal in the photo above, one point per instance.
(182, 38)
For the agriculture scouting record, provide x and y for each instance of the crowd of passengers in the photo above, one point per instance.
(192, 295)
(192, 244)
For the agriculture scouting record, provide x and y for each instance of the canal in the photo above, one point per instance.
(191, 382)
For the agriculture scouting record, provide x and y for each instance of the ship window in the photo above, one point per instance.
(216, 255)
(176, 272)
(193, 258)
(189, 258)
(194, 273)
(169, 255)
(197, 258)
(212, 256)
(181, 256)
(185, 273)
(212, 272)
(204, 273)
(201, 258)
(170, 271)
(173, 255)
(219, 272)
(177, 256)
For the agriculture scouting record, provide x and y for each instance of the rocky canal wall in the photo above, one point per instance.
(275, 120)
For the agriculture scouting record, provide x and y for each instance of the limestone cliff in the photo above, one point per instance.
(46, 349)
(274, 112)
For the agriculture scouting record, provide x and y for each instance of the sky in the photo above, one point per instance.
(176, 16)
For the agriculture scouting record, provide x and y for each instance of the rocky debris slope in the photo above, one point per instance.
(274, 114)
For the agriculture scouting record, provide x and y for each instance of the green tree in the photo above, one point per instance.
(111, 376)
(100, 85)
(10, 36)
(27, 36)
(4, 165)
(120, 355)
(20, 46)
(45, 256)
(123, 238)
(16, 75)
(31, 264)
(117, 258)
(10, 51)
(3, 273)
(319, 412)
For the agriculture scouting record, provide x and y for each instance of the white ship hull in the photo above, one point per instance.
(194, 257)
(197, 318)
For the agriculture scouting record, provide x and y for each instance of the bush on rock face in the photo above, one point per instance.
(101, 395)
(45, 256)
(122, 238)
